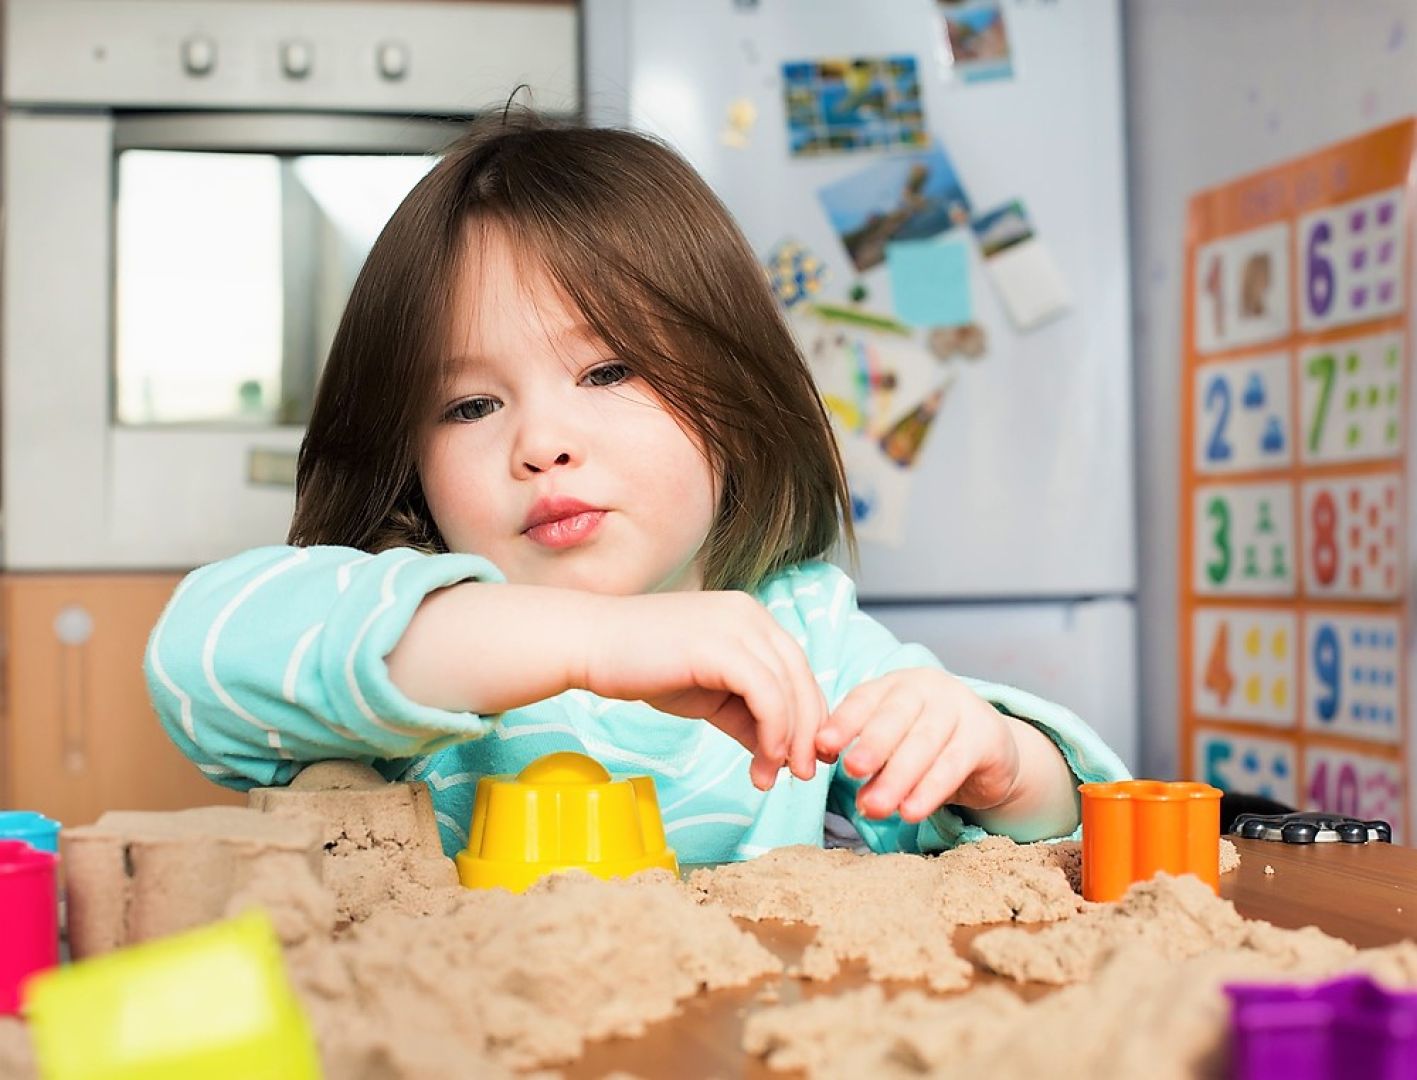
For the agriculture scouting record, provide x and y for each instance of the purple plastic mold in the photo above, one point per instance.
(1348, 1027)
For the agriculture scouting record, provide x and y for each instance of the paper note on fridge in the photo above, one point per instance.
(1021, 267)
(930, 281)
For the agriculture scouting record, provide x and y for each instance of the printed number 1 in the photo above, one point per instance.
(1212, 289)
(1321, 367)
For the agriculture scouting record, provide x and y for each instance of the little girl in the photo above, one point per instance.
(568, 485)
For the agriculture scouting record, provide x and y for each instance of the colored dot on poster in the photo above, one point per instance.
(1280, 645)
(1392, 392)
(1375, 553)
(1354, 434)
(1374, 396)
(1391, 358)
(1390, 497)
(1391, 433)
(1373, 512)
(1389, 576)
(1390, 536)
(1355, 577)
(1353, 399)
(1355, 536)
(1355, 499)
(1279, 693)
(1350, 363)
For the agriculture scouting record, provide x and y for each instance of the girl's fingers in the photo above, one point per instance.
(760, 686)
(735, 721)
(939, 784)
(888, 724)
(851, 716)
(912, 758)
(810, 706)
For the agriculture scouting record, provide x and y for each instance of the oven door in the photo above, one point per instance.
(171, 284)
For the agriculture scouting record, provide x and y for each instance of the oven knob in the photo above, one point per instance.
(296, 58)
(199, 55)
(393, 60)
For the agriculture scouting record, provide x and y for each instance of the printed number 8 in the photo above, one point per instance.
(1320, 270)
(1325, 516)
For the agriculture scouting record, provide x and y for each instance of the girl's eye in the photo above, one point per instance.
(473, 409)
(607, 374)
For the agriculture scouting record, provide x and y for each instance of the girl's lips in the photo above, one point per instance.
(567, 531)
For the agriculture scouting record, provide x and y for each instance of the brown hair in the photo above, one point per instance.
(659, 271)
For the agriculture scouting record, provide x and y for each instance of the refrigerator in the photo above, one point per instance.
(937, 193)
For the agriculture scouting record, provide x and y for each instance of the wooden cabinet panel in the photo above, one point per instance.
(79, 735)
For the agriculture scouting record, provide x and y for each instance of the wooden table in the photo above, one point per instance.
(1366, 894)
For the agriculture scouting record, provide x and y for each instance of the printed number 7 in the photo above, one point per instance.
(1322, 367)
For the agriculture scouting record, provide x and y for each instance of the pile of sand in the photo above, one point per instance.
(897, 913)
(498, 981)
(1143, 1013)
(1174, 917)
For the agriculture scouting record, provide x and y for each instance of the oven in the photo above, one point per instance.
(189, 188)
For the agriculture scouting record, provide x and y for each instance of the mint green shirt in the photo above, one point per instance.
(275, 658)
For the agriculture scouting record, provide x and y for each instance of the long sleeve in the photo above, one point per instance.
(275, 658)
(848, 647)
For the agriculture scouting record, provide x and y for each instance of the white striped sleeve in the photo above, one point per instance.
(276, 657)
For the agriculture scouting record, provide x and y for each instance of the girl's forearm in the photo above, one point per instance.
(484, 648)
(1045, 802)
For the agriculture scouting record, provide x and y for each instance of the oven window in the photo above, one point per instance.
(232, 271)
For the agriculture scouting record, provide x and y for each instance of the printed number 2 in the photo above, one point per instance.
(1217, 397)
(1219, 569)
(1320, 270)
(1328, 665)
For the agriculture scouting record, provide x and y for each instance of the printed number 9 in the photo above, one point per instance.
(1320, 270)
(1328, 665)
(1219, 512)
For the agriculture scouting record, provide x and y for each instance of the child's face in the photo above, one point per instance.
(538, 413)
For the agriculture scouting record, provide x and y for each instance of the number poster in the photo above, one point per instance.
(1294, 488)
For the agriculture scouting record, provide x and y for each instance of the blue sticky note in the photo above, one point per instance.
(930, 281)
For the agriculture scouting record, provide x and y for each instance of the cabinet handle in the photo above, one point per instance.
(73, 626)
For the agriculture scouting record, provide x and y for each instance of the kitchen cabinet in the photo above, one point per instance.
(78, 735)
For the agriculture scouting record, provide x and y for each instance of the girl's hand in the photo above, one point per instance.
(718, 656)
(924, 739)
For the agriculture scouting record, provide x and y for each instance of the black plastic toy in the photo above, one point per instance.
(1311, 827)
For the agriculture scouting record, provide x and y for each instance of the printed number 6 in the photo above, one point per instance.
(1219, 512)
(1320, 270)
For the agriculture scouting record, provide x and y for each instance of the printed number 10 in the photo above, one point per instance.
(1345, 795)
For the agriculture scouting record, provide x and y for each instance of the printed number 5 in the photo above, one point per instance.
(1320, 269)
(1218, 511)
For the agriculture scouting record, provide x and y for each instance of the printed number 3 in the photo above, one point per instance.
(1218, 511)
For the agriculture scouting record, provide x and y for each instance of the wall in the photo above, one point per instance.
(1218, 89)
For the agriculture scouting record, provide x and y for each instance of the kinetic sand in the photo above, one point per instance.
(404, 973)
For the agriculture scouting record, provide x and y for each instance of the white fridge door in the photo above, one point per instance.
(1081, 654)
(1023, 487)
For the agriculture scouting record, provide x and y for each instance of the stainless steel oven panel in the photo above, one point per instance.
(436, 58)
(80, 492)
